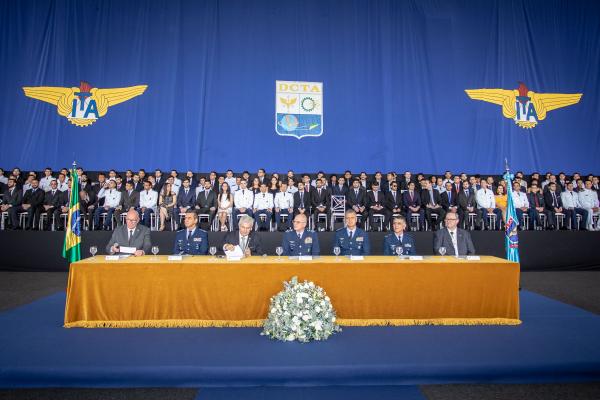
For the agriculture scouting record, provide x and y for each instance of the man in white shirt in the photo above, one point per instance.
(284, 205)
(588, 199)
(63, 184)
(486, 202)
(230, 179)
(521, 204)
(243, 201)
(45, 181)
(263, 204)
(176, 182)
(572, 208)
(112, 199)
(148, 203)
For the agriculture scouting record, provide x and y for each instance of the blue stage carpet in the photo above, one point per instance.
(555, 343)
(313, 393)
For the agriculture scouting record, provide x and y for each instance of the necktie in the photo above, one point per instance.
(300, 236)
(356, 192)
(449, 197)
(431, 195)
(399, 238)
(375, 193)
(553, 199)
(130, 234)
(467, 193)
(411, 196)
(189, 235)
(244, 238)
(302, 199)
(319, 192)
(394, 194)
(186, 191)
(243, 192)
(350, 235)
(53, 192)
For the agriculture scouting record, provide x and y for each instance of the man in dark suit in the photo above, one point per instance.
(356, 199)
(87, 205)
(191, 240)
(376, 205)
(432, 202)
(302, 201)
(340, 189)
(393, 200)
(129, 199)
(159, 180)
(300, 241)
(206, 203)
(352, 240)
(553, 204)
(467, 203)
(450, 199)
(11, 202)
(537, 206)
(248, 241)
(399, 238)
(131, 234)
(52, 203)
(321, 201)
(32, 204)
(456, 241)
(412, 205)
(186, 199)
(138, 185)
(406, 180)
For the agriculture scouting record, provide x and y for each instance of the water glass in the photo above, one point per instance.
(93, 251)
(442, 251)
(212, 250)
(336, 251)
(279, 251)
(154, 250)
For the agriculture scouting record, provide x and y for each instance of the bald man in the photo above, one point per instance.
(131, 234)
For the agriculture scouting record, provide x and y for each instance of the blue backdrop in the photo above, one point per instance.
(393, 73)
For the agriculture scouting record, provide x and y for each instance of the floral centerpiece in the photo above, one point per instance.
(301, 311)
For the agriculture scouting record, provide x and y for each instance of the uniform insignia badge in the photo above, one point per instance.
(83, 105)
(308, 240)
(525, 107)
(298, 108)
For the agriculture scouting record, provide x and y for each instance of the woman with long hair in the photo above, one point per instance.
(225, 205)
(167, 202)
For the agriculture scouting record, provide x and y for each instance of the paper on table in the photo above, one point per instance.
(236, 252)
(127, 250)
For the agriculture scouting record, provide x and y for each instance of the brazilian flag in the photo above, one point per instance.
(71, 248)
(511, 238)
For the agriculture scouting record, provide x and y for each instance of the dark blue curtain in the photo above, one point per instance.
(393, 73)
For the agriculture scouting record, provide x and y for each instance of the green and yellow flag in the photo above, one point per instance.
(71, 248)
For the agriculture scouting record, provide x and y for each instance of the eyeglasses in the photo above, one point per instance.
(451, 219)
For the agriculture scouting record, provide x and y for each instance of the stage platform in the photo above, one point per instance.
(555, 343)
(539, 250)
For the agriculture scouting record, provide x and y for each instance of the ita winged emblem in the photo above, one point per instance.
(525, 107)
(83, 105)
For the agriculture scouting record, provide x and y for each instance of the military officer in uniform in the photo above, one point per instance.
(399, 238)
(352, 240)
(191, 240)
(300, 241)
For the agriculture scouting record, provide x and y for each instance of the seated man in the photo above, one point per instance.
(284, 205)
(588, 199)
(130, 199)
(433, 205)
(412, 205)
(52, 203)
(521, 203)
(399, 238)
(112, 199)
(302, 201)
(243, 201)
(456, 241)
(321, 201)
(206, 203)
(33, 201)
(191, 240)
(263, 208)
(553, 203)
(394, 200)
(87, 205)
(536, 207)
(11, 201)
(570, 200)
(186, 200)
(356, 199)
(352, 240)
(450, 198)
(148, 203)
(132, 234)
(376, 205)
(248, 241)
(486, 203)
(300, 241)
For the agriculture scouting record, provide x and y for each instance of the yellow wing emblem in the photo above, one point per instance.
(502, 97)
(544, 102)
(83, 105)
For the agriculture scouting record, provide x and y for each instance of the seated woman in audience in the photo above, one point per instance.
(501, 200)
(255, 186)
(167, 202)
(225, 205)
(274, 186)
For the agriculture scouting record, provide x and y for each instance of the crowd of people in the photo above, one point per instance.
(546, 201)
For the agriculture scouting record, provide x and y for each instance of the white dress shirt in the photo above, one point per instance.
(45, 183)
(176, 185)
(520, 200)
(284, 200)
(112, 197)
(588, 199)
(263, 201)
(570, 199)
(63, 187)
(148, 199)
(485, 198)
(243, 198)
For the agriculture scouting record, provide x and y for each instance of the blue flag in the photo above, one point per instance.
(511, 238)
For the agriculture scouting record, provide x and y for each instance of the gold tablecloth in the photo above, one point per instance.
(203, 291)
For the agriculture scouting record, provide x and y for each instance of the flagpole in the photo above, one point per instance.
(511, 237)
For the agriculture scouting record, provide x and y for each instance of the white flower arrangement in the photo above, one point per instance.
(301, 311)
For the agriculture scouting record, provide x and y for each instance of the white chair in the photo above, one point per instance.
(338, 210)
(3, 217)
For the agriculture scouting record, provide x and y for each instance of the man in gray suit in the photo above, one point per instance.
(456, 241)
(130, 235)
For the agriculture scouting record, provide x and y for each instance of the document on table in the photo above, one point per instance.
(235, 254)
(127, 250)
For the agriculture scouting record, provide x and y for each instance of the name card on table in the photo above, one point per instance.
(356, 258)
(112, 258)
(175, 258)
(415, 258)
(233, 258)
(305, 258)
(473, 258)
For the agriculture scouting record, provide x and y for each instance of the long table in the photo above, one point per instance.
(203, 291)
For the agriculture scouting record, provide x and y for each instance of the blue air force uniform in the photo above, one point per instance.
(391, 241)
(357, 245)
(305, 245)
(195, 244)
